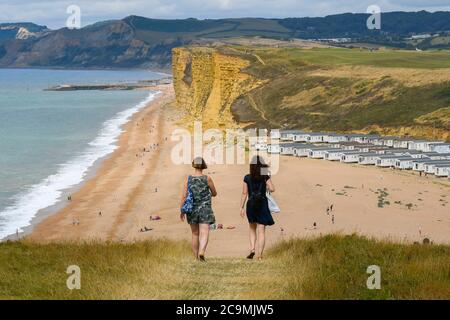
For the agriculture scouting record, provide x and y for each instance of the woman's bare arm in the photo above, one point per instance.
(212, 187)
(270, 185)
(184, 192)
(243, 198)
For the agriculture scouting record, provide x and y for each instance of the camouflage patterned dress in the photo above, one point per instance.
(202, 211)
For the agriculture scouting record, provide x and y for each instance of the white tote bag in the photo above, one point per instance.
(273, 206)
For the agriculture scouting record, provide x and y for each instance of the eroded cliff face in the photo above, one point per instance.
(207, 82)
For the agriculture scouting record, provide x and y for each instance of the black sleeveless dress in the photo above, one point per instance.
(260, 214)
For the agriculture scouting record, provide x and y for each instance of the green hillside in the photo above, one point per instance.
(384, 91)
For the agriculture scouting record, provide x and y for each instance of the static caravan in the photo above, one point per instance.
(379, 149)
(349, 145)
(288, 149)
(333, 154)
(335, 138)
(440, 147)
(442, 170)
(316, 137)
(350, 156)
(301, 137)
(423, 145)
(388, 141)
(386, 161)
(401, 143)
(421, 165)
(354, 137)
(368, 158)
(404, 163)
(415, 154)
(373, 139)
(430, 145)
(417, 163)
(396, 152)
(430, 167)
(302, 150)
(317, 153)
(437, 156)
(288, 135)
(276, 148)
(363, 147)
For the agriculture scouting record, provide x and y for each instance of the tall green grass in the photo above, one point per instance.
(330, 267)
(334, 267)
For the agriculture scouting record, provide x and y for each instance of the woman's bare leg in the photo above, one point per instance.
(195, 240)
(261, 240)
(204, 237)
(252, 233)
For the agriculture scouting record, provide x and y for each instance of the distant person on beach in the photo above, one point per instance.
(202, 216)
(255, 186)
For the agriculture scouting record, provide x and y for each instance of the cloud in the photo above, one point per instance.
(53, 12)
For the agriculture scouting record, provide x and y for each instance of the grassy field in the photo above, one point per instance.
(330, 89)
(331, 267)
(381, 58)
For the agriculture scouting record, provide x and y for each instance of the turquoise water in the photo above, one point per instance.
(49, 140)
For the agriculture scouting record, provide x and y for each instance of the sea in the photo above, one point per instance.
(51, 140)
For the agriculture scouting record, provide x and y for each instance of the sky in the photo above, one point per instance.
(53, 13)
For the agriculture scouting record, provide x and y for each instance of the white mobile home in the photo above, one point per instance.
(276, 147)
(288, 135)
(437, 156)
(335, 138)
(404, 163)
(440, 147)
(368, 158)
(396, 152)
(417, 163)
(386, 160)
(442, 170)
(388, 141)
(350, 156)
(355, 137)
(401, 143)
(302, 150)
(421, 164)
(316, 137)
(379, 149)
(288, 149)
(430, 167)
(374, 139)
(333, 154)
(422, 145)
(415, 154)
(363, 147)
(318, 153)
(301, 137)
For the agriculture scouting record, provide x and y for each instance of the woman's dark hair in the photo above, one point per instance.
(258, 168)
(199, 163)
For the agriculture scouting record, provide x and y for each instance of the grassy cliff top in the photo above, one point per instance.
(330, 267)
(358, 90)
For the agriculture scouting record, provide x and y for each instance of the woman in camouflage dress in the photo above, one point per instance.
(202, 215)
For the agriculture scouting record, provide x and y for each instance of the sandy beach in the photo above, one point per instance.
(132, 185)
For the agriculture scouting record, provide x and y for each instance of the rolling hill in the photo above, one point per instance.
(142, 42)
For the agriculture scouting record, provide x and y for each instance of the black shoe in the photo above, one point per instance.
(202, 258)
(251, 255)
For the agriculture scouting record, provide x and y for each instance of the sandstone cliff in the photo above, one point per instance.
(207, 82)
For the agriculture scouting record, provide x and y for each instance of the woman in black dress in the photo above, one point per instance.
(256, 184)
